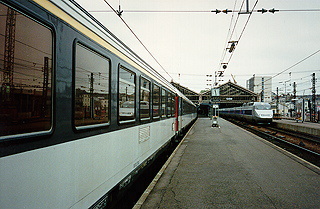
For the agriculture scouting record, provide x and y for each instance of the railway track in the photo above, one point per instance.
(305, 146)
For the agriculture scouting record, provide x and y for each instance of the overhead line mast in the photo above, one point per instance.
(8, 65)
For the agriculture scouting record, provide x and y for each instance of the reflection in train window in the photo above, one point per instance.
(144, 98)
(169, 104)
(127, 94)
(187, 108)
(91, 87)
(163, 102)
(173, 106)
(25, 74)
(156, 101)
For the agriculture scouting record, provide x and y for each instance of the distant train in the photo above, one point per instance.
(256, 112)
(81, 115)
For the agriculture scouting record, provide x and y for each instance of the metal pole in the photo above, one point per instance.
(302, 112)
(313, 106)
(277, 100)
(294, 98)
(91, 96)
(262, 90)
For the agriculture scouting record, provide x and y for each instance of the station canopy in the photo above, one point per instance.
(230, 95)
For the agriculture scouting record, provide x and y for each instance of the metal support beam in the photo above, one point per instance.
(8, 65)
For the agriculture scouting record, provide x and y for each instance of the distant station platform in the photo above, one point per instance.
(228, 167)
(305, 127)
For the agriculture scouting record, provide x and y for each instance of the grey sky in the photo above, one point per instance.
(191, 44)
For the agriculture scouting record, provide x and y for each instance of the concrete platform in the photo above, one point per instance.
(229, 167)
(305, 127)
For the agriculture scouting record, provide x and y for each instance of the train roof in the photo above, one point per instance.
(255, 103)
(83, 21)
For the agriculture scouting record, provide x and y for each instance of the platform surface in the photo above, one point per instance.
(305, 127)
(293, 122)
(228, 167)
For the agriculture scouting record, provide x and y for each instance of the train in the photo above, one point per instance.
(255, 112)
(81, 114)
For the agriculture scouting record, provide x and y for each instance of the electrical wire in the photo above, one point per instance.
(304, 59)
(297, 63)
(228, 39)
(238, 40)
(200, 11)
(144, 46)
(155, 11)
(39, 50)
(245, 26)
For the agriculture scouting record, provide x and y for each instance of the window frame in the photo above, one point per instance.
(150, 102)
(91, 49)
(159, 101)
(164, 110)
(170, 104)
(49, 26)
(120, 122)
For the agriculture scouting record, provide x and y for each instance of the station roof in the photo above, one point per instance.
(192, 95)
(231, 95)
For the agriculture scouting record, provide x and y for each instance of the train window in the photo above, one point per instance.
(264, 106)
(127, 94)
(163, 103)
(173, 105)
(91, 87)
(187, 108)
(144, 98)
(156, 101)
(170, 105)
(247, 112)
(25, 74)
(184, 107)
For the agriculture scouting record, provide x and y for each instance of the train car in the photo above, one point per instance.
(256, 112)
(81, 115)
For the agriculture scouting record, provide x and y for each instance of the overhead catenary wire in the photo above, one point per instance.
(245, 26)
(292, 66)
(230, 39)
(296, 63)
(203, 75)
(229, 36)
(191, 11)
(135, 35)
(200, 11)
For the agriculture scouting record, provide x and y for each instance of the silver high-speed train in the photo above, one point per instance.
(256, 112)
(81, 115)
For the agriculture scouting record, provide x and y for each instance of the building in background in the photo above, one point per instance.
(261, 85)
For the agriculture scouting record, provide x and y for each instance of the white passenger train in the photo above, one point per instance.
(256, 112)
(80, 113)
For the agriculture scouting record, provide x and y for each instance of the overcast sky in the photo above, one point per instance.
(191, 45)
